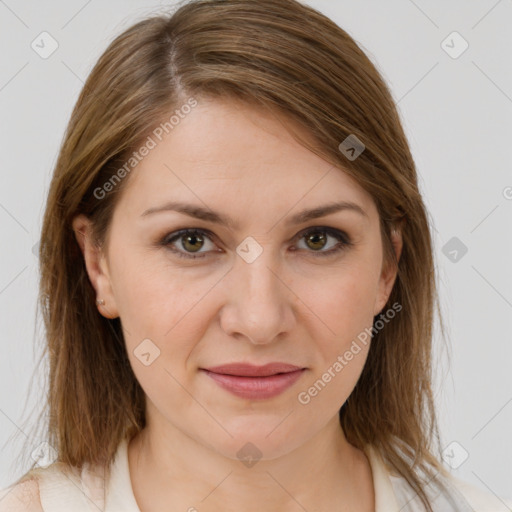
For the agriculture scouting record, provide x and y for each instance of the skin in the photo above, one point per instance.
(290, 304)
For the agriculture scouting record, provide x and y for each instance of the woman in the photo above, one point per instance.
(237, 279)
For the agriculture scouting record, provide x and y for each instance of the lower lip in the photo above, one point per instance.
(256, 387)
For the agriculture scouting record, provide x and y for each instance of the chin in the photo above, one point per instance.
(258, 440)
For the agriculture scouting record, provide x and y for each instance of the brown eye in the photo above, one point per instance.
(192, 242)
(316, 241)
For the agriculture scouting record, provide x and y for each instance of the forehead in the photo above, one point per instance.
(232, 156)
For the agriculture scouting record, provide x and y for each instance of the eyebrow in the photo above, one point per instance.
(208, 215)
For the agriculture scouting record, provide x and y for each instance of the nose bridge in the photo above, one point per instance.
(261, 282)
(254, 263)
(258, 298)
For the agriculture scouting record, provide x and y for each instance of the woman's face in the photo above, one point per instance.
(267, 286)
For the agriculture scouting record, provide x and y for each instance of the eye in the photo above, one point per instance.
(317, 239)
(191, 241)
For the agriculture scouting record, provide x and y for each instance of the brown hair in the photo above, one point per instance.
(290, 59)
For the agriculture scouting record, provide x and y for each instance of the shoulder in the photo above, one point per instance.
(21, 497)
(479, 499)
(53, 488)
(448, 493)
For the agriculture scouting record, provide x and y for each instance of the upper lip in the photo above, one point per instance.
(250, 370)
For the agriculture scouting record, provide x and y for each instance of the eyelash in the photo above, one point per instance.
(343, 239)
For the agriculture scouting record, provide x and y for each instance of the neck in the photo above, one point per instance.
(172, 471)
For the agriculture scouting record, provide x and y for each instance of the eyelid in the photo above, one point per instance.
(171, 238)
(343, 238)
(335, 232)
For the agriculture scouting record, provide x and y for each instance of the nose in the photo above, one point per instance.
(258, 303)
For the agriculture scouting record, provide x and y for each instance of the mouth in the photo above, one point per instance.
(251, 370)
(255, 382)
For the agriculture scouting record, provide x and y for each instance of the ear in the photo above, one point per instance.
(388, 274)
(96, 265)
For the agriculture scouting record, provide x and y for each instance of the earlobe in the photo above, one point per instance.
(96, 267)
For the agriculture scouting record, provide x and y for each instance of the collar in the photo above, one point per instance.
(120, 496)
(385, 498)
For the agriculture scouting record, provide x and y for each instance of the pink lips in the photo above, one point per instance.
(255, 382)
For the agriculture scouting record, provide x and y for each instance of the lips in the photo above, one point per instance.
(249, 370)
(255, 382)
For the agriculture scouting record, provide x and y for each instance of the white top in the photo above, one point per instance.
(90, 491)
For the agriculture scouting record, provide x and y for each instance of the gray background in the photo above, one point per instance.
(457, 115)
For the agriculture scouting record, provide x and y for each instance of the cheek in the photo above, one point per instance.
(342, 338)
(342, 305)
(164, 315)
(153, 295)
(171, 308)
